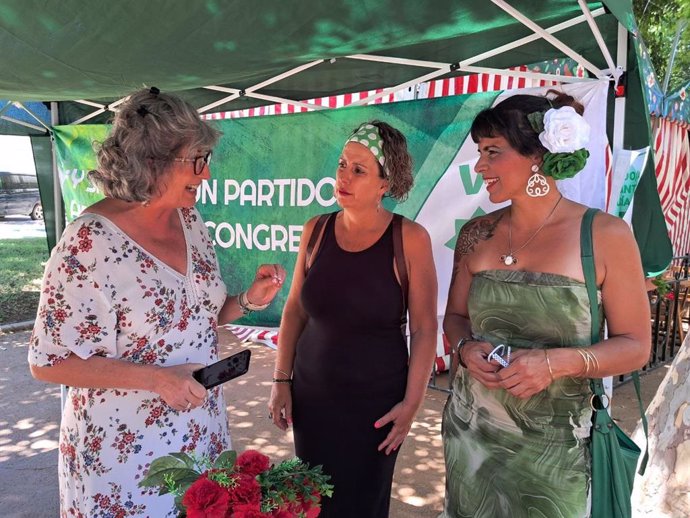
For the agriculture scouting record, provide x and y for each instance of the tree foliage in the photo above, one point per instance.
(658, 21)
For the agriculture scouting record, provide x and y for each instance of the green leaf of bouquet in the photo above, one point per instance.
(154, 476)
(188, 461)
(226, 460)
(183, 476)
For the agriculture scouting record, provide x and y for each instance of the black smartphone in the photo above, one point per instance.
(223, 370)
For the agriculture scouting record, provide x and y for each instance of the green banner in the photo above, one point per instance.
(271, 174)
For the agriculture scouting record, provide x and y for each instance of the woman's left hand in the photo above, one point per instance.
(267, 282)
(527, 374)
(401, 415)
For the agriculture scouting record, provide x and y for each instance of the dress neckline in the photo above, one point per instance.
(535, 274)
(113, 226)
(378, 240)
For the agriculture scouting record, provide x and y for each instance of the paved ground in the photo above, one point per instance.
(29, 421)
(18, 227)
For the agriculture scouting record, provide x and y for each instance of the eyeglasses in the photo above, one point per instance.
(200, 162)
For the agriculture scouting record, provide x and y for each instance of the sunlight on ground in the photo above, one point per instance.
(26, 438)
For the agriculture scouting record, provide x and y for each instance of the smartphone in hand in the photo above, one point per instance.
(223, 370)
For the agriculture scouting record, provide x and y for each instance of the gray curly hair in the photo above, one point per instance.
(149, 130)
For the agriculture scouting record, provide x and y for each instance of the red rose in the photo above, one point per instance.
(205, 499)
(282, 513)
(247, 491)
(251, 462)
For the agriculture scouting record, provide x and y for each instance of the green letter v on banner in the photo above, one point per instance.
(466, 177)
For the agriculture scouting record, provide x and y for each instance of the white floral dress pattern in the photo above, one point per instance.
(104, 295)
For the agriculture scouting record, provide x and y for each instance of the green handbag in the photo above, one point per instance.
(614, 455)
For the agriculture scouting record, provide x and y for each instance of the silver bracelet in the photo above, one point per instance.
(246, 306)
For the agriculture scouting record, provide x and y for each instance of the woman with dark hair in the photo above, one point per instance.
(343, 374)
(130, 304)
(516, 427)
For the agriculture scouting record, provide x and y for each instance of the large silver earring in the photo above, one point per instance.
(537, 186)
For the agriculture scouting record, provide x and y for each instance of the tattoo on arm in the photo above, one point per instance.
(472, 232)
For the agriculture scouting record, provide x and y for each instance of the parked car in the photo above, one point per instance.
(19, 195)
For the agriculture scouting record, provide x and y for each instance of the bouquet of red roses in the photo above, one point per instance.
(247, 486)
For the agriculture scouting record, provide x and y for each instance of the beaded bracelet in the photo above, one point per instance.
(282, 380)
(458, 347)
(246, 306)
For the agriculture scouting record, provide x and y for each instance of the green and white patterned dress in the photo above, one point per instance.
(511, 457)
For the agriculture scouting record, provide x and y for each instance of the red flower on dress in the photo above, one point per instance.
(206, 499)
(251, 462)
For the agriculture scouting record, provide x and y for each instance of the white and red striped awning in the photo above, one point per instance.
(672, 154)
(468, 84)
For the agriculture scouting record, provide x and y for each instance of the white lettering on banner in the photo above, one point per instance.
(75, 209)
(264, 197)
(262, 237)
(293, 192)
(208, 192)
(76, 176)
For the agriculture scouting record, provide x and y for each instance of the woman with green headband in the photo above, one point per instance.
(343, 375)
(516, 428)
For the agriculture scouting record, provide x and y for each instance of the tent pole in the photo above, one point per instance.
(618, 126)
(682, 25)
(57, 191)
(619, 102)
(597, 35)
(527, 22)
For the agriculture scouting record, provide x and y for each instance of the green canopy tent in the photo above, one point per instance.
(84, 56)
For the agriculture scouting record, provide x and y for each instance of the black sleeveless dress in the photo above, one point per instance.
(350, 369)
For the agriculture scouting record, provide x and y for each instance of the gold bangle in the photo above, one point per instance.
(548, 364)
(585, 368)
(595, 362)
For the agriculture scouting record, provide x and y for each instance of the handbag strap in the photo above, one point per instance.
(587, 256)
(315, 235)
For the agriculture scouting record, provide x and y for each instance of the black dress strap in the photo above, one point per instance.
(315, 235)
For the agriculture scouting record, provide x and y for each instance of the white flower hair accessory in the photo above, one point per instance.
(565, 130)
(565, 134)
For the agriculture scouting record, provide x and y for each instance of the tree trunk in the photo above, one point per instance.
(664, 490)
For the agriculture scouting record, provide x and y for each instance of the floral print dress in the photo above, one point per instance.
(105, 295)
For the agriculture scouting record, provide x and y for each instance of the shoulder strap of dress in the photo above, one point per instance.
(399, 253)
(315, 235)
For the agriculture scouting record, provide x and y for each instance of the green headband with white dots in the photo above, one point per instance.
(368, 135)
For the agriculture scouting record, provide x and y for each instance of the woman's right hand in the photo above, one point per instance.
(474, 355)
(178, 388)
(280, 405)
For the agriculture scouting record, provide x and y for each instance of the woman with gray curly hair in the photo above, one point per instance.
(130, 304)
(343, 374)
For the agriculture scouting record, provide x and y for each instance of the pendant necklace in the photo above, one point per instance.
(509, 259)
